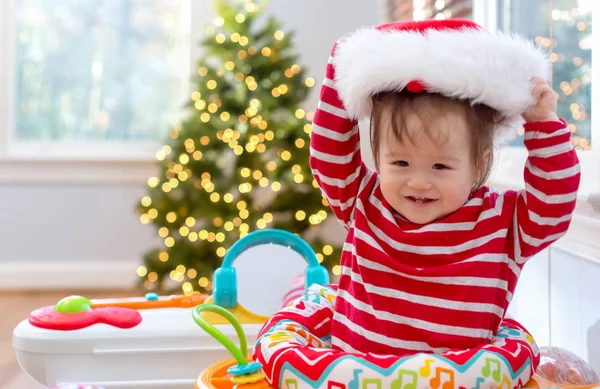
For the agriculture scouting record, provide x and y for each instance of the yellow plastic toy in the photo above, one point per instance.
(243, 315)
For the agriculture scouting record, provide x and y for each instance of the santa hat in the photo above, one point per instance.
(456, 58)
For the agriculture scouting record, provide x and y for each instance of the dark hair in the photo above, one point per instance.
(481, 119)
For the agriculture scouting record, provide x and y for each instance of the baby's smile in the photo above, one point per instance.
(420, 201)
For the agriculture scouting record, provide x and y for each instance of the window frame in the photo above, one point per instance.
(582, 237)
(485, 14)
(84, 162)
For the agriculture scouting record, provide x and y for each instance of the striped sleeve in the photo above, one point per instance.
(304, 324)
(544, 208)
(335, 157)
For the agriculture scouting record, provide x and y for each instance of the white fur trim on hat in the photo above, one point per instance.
(468, 64)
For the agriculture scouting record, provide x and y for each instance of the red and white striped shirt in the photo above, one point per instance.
(447, 284)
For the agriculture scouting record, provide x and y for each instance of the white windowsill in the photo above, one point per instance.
(73, 171)
(89, 150)
(508, 169)
(116, 163)
(582, 239)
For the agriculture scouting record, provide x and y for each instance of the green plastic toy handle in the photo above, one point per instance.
(240, 354)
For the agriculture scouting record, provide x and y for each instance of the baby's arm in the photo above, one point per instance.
(335, 157)
(305, 324)
(544, 209)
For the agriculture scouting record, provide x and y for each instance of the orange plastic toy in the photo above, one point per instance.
(174, 301)
(216, 377)
(563, 369)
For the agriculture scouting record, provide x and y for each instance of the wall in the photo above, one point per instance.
(79, 234)
(575, 305)
(557, 301)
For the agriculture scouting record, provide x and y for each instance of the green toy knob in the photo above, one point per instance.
(73, 304)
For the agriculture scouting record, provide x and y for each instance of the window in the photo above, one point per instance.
(428, 9)
(564, 29)
(92, 73)
(91, 88)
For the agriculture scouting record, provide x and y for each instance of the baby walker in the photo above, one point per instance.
(151, 342)
(558, 368)
(145, 342)
(480, 368)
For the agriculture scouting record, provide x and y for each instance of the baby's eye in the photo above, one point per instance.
(440, 166)
(401, 163)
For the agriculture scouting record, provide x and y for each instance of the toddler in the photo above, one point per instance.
(432, 255)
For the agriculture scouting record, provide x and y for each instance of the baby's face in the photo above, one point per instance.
(431, 178)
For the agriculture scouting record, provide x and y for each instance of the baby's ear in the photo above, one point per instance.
(484, 169)
(487, 154)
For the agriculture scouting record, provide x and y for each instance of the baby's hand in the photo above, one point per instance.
(544, 109)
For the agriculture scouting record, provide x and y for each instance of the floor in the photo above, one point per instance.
(14, 307)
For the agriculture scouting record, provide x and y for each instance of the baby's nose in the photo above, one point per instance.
(419, 183)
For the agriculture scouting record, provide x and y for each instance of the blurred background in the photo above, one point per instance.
(139, 139)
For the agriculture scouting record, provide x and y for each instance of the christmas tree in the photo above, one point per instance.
(239, 160)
